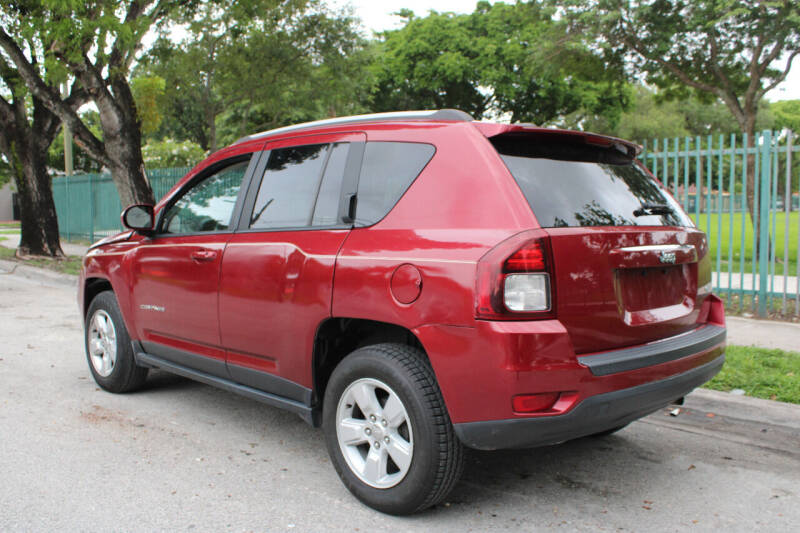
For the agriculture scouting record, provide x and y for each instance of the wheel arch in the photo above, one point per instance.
(94, 285)
(336, 337)
(91, 288)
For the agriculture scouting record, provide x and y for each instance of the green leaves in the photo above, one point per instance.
(502, 60)
(725, 49)
(787, 114)
(168, 153)
(247, 66)
(148, 93)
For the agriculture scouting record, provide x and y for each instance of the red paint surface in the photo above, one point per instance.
(406, 284)
(262, 296)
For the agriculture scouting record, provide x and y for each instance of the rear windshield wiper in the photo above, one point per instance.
(652, 209)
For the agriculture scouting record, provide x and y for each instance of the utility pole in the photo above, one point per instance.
(67, 139)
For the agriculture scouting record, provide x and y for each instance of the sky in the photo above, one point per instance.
(376, 15)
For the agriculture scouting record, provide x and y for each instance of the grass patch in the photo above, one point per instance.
(747, 305)
(9, 225)
(761, 373)
(10, 231)
(718, 229)
(70, 265)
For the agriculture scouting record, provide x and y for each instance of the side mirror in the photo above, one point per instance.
(139, 218)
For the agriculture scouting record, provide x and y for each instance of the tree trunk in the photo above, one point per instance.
(25, 146)
(699, 196)
(38, 220)
(751, 173)
(749, 128)
(123, 146)
(211, 119)
(127, 169)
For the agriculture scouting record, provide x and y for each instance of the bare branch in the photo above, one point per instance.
(51, 99)
(6, 109)
(6, 112)
(681, 75)
(135, 10)
(78, 95)
(723, 78)
(782, 76)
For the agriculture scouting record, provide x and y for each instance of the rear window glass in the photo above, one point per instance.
(388, 170)
(577, 185)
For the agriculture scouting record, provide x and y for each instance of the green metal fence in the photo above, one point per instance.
(756, 257)
(88, 205)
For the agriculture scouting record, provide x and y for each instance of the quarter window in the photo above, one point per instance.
(208, 205)
(387, 172)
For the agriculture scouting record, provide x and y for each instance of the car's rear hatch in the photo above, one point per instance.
(628, 265)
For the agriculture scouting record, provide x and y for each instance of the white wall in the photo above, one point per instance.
(6, 209)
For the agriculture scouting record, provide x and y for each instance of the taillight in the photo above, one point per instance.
(529, 258)
(513, 279)
(527, 292)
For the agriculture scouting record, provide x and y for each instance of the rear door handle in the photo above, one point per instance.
(203, 255)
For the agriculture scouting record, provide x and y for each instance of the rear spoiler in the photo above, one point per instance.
(490, 129)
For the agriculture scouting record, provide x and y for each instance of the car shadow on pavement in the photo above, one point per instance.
(611, 472)
(594, 465)
(159, 380)
(651, 460)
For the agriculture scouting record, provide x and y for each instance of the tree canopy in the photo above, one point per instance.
(787, 114)
(723, 49)
(243, 69)
(94, 43)
(652, 116)
(503, 60)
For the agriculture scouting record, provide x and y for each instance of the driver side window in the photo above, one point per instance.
(208, 205)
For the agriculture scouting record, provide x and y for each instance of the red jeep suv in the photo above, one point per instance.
(414, 283)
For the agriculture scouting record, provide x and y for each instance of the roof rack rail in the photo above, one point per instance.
(438, 114)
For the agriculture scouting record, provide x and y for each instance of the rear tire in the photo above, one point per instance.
(108, 347)
(388, 432)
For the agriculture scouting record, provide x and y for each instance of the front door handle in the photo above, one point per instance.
(203, 255)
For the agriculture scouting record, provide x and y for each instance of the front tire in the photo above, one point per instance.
(387, 430)
(108, 347)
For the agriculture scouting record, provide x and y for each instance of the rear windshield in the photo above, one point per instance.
(568, 184)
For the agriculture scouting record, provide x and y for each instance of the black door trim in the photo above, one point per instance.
(201, 363)
(270, 382)
(308, 414)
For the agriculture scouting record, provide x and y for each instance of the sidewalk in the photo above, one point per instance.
(746, 281)
(763, 333)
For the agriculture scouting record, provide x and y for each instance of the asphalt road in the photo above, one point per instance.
(184, 456)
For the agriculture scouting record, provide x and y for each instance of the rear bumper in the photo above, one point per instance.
(594, 414)
(654, 353)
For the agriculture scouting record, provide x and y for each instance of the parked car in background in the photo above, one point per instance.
(414, 283)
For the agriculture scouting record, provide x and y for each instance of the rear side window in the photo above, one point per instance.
(578, 185)
(389, 168)
(289, 187)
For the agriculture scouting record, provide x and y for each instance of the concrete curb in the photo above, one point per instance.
(745, 407)
(16, 268)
